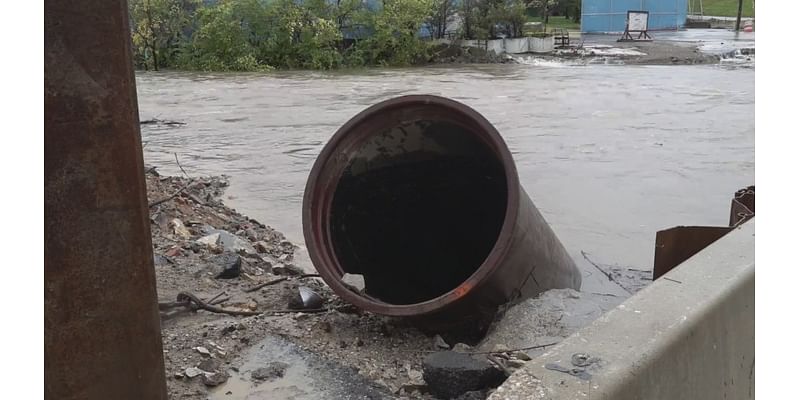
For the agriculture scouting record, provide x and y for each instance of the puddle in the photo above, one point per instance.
(309, 377)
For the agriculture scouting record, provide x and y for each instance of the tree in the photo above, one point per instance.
(158, 28)
(443, 14)
(395, 27)
(509, 16)
(545, 8)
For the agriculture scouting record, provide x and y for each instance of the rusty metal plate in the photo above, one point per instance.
(678, 244)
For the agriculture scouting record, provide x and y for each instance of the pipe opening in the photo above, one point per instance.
(417, 209)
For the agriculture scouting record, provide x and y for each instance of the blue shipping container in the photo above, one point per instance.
(608, 16)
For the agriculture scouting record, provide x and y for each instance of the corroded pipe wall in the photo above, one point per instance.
(420, 196)
(102, 333)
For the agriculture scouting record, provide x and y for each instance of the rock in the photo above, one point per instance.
(521, 355)
(272, 371)
(233, 243)
(215, 379)
(209, 240)
(500, 348)
(415, 376)
(462, 348)
(473, 395)
(305, 298)
(283, 269)
(179, 229)
(514, 363)
(354, 280)
(203, 351)
(439, 343)
(227, 241)
(174, 252)
(229, 265)
(450, 374)
(209, 365)
(193, 372)
(162, 220)
(159, 260)
(251, 235)
(263, 247)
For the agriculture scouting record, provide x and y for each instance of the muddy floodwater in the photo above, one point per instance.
(609, 154)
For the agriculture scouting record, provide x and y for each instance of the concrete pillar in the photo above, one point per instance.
(102, 332)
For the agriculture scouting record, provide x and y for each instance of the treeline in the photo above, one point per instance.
(257, 35)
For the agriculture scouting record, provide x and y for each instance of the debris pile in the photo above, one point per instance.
(228, 284)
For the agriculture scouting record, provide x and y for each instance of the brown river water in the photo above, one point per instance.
(609, 154)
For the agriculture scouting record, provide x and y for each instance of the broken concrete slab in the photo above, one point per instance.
(546, 319)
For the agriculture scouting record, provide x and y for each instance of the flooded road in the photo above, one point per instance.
(609, 154)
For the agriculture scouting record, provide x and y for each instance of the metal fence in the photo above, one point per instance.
(608, 16)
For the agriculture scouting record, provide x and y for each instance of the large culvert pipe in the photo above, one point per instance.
(420, 196)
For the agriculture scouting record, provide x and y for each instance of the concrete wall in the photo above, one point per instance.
(688, 335)
(512, 46)
(609, 16)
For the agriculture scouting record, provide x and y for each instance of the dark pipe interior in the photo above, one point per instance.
(417, 210)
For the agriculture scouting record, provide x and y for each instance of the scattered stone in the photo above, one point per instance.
(251, 235)
(354, 280)
(226, 241)
(159, 260)
(235, 244)
(305, 298)
(450, 374)
(283, 257)
(209, 241)
(272, 371)
(262, 247)
(500, 348)
(215, 379)
(229, 265)
(209, 365)
(439, 343)
(203, 351)
(462, 348)
(473, 395)
(284, 269)
(174, 252)
(193, 372)
(521, 355)
(179, 229)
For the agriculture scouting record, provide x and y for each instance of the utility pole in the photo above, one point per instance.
(739, 16)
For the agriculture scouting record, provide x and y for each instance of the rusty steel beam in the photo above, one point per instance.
(102, 330)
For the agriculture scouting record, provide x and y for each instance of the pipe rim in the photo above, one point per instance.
(318, 238)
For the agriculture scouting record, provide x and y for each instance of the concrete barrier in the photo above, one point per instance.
(510, 46)
(689, 335)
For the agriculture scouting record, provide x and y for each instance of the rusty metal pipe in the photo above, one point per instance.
(102, 330)
(420, 196)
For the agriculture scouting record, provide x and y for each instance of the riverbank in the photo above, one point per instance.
(239, 318)
(227, 285)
